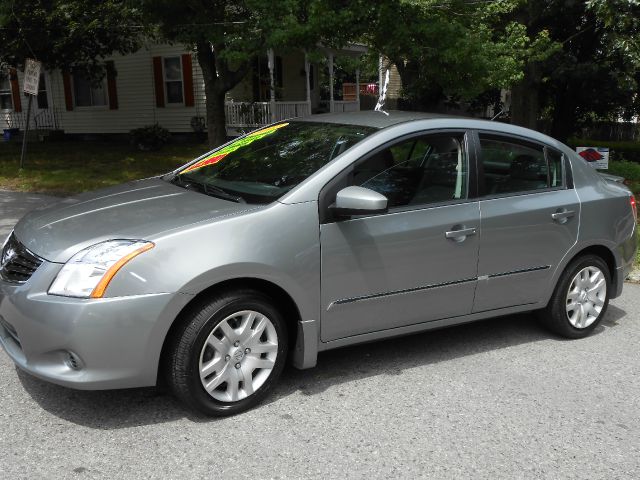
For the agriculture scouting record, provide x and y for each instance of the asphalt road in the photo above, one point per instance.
(495, 399)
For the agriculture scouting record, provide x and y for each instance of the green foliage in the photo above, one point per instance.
(595, 72)
(151, 137)
(454, 49)
(626, 169)
(66, 33)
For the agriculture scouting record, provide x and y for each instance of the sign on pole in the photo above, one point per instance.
(597, 157)
(31, 77)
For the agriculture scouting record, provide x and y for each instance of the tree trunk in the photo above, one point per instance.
(216, 119)
(525, 102)
(563, 123)
(218, 80)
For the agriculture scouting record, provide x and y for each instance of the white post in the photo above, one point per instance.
(358, 87)
(307, 69)
(271, 64)
(380, 80)
(331, 107)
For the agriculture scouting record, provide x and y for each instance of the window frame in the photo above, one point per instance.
(567, 182)
(43, 91)
(167, 103)
(343, 179)
(6, 76)
(103, 82)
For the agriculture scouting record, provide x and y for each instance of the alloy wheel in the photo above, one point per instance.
(238, 356)
(586, 297)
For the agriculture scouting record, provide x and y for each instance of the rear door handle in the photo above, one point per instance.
(562, 216)
(460, 234)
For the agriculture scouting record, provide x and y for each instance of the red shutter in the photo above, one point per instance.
(158, 80)
(187, 77)
(66, 83)
(15, 90)
(112, 89)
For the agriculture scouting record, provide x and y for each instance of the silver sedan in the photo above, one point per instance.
(310, 235)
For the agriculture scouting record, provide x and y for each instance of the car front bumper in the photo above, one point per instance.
(85, 343)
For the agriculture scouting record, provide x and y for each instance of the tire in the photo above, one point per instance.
(230, 338)
(572, 313)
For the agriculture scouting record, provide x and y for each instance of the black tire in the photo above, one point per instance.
(187, 342)
(555, 316)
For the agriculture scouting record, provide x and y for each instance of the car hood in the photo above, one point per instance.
(135, 210)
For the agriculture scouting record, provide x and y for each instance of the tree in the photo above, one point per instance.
(228, 34)
(592, 74)
(452, 49)
(67, 33)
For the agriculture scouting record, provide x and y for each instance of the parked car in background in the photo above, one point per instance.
(305, 236)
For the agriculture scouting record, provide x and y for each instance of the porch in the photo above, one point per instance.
(269, 94)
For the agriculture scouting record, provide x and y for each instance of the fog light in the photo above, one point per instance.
(73, 361)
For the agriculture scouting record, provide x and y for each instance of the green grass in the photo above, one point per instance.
(70, 167)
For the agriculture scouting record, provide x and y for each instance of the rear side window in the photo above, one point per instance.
(511, 167)
(556, 174)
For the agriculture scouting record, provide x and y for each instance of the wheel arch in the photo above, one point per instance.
(281, 298)
(598, 249)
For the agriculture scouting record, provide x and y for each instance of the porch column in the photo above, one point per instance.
(271, 63)
(307, 68)
(331, 106)
(358, 87)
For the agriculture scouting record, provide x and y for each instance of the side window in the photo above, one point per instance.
(86, 93)
(555, 159)
(6, 102)
(173, 79)
(511, 167)
(418, 171)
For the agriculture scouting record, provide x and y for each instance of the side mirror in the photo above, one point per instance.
(358, 201)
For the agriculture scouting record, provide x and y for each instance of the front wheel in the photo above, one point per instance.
(581, 298)
(227, 353)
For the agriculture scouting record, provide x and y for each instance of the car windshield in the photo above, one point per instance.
(265, 164)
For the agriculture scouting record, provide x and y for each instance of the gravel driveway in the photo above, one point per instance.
(495, 399)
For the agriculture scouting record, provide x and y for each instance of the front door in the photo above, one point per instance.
(414, 264)
(530, 215)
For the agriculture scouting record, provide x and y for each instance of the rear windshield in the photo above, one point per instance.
(267, 163)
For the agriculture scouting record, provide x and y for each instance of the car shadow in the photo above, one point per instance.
(114, 409)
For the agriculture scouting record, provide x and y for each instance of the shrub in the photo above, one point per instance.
(151, 137)
(628, 170)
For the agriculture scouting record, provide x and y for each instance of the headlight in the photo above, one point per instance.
(88, 273)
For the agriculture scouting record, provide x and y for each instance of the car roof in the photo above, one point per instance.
(375, 119)
(382, 120)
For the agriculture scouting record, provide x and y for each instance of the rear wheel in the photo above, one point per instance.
(581, 298)
(228, 353)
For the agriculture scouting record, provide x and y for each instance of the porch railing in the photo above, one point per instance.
(291, 110)
(256, 114)
(43, 120)
(340, 106)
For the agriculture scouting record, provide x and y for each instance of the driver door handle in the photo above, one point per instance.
(563, 215)
(460, 234)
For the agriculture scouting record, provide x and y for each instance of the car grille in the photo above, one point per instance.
(17, 264)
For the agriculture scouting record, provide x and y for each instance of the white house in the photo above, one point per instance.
(163, 84)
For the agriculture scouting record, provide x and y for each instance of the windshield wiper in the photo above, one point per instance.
(220, 193)
(206, 189)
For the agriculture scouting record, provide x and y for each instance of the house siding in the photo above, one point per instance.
(136, 98)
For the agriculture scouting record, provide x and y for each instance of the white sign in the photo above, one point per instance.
(597, 157)
(31, 77)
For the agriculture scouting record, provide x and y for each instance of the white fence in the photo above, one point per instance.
(256, 114)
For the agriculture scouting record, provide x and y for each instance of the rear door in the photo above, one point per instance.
(417, 262)
(529, 219)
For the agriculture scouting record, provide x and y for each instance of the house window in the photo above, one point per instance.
(173, 79)
(43, 101)
(87, 94)
(6, 102)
